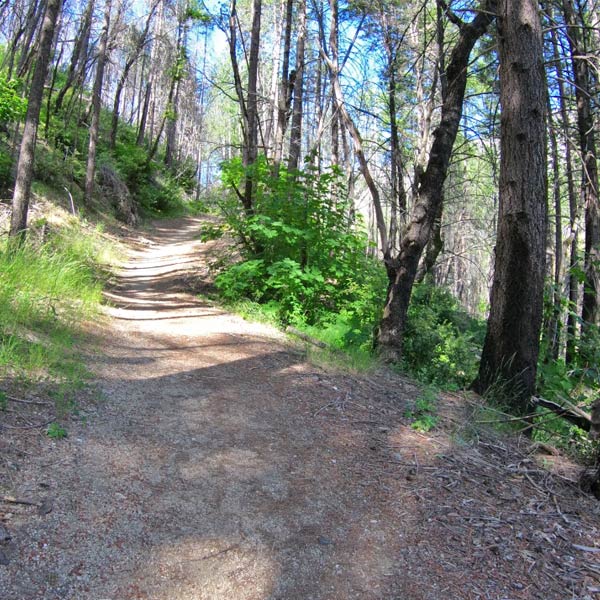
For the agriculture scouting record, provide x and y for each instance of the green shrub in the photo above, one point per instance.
(131, 162)
(6, 165)
(301, 251)
(422, 415)
(12, 106)
(442, 343)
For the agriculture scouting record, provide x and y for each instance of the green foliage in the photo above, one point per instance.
(423, 413)
(12, 106)
(577, 383)
(442, 343)
(56, 431)
(6, 164)
(46, 289)
(131, 162)
(301, 252)
(195, 12)
(157, 190)
(162, 196)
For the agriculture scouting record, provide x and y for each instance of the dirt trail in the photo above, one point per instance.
(222, 465)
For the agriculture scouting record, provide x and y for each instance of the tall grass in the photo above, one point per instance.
(46, 290)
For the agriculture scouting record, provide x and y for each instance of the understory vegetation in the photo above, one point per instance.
(51, 283)
(48, 287)
(305, 263)
(302, 262)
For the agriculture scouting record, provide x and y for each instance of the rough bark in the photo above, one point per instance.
(96, 105)
(587, 143)
(509, 358)
(297, 113)
(403, 268)
(24, 172)
(251, 142)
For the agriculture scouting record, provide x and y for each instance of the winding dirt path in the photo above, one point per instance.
(221, 465)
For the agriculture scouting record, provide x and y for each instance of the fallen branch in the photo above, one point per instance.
(33, 426)
(307, 338)
(38, 402)
(567, 411)
(13, 500)
(586, 548)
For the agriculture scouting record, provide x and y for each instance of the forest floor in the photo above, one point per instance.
(214, 461)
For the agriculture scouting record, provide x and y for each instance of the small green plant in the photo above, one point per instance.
(423, 413)
(6, 179)
(12, 105)
(56, 431)
(3, 400)
(442, 343)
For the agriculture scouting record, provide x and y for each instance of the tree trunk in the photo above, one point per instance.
(78, 58)
(286, 87)
(24, 174)
(587, 142)
(139, 46)
(144, 117)
(31, 27)
(403, 268)
(573, 281)
(509, 359)
(296, 129)
(553, 325)
(251, 141)
(96, 105)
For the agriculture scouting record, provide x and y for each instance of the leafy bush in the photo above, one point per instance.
(6, 179)
(442, 343)
(423, 414)
(12, 106)
(131, 162)
(301, 252)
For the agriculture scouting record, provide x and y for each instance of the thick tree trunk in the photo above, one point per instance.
(96, 105)
(22, 191)
(402, 270)
(509, 359)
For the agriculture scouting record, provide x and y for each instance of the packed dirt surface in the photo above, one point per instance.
(219, 463)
